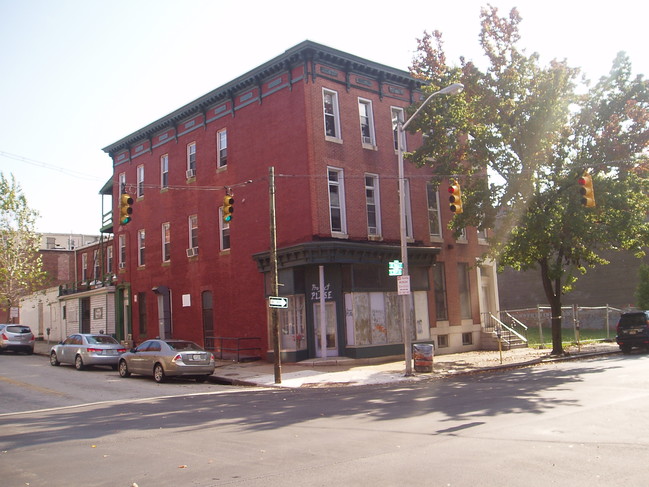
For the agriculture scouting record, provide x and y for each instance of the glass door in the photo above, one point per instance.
(330, 320)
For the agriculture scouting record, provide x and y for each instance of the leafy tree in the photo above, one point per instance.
(20, 262)
(535, 130)
(642, 291)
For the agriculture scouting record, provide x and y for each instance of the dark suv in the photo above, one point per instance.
(633, 331)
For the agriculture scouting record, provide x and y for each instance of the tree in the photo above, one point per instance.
(21, 268)
(534, 131)
(642, 291)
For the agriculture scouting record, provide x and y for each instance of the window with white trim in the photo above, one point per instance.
(397, 115)
(191, 159)
(96, 266)
(373, 204)
(337, 201)
(140, 181)
(166, 242)
(193, 232)
(434, 222)
(221, 148)
(141, 247)
(331, 115)
(164, 171)
(465, 291)
(224, 232)
(122, 251)
(122, 182)
(109, 259)
(367, 122)
(84, 266)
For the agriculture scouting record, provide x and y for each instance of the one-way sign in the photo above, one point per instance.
(277, 302)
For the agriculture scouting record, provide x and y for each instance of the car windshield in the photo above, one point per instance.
(101, 339)
(184, 346)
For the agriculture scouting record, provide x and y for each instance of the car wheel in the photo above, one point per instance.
(123, 369)
(625, 349)
(54, 360)
(202, 378)
(158, 373)
(78, 363)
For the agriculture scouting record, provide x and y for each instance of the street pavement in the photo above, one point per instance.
(341, 371)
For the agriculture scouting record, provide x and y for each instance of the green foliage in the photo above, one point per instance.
(20, 263)
(642, 291)
(534, 130)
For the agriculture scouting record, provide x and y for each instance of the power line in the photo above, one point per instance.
(68, 172)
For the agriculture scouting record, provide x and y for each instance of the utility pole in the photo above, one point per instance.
(273, 276)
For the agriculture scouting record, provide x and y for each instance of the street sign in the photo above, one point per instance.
(403, 285)
(395, 268)
(277, 302)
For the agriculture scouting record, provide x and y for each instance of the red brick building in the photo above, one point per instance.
(324, 120)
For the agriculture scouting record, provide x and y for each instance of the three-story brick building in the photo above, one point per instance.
(325, 120)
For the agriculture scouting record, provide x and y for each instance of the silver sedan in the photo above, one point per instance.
(168, 358)
(83, 349)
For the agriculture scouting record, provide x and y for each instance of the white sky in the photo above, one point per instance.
(78, 75)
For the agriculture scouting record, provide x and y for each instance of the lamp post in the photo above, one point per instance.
(405, 311)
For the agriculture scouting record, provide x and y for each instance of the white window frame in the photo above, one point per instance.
(166, 242)
(109, 259)
(122, 251)
(96, 266)
(122, 183)
(334, 206)
(333, 116)
(224, 232)
(222, 148)
(141, 247)
(397, 113)
(140, 181)
(434, 214)
(192, 223)
(191, 156)
(164, 171)
(84, 266)
(368, 138)
(375, 202)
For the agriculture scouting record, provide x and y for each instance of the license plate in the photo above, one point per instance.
(197, 356)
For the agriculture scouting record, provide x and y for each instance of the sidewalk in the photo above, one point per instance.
(340, 372)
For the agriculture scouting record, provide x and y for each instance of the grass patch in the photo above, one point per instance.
(567, 335)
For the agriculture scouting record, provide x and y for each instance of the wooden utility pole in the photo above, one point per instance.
(273, 277)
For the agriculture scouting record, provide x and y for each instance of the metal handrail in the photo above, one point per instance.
(210, 344)
(511, 330)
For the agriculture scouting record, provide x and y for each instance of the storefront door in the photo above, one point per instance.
(331, 335)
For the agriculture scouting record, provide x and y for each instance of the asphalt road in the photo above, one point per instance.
(576, 423)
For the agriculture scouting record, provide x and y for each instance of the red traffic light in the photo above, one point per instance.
(586, 190)
(455, 198)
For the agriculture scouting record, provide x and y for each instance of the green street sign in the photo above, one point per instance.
(395, 268)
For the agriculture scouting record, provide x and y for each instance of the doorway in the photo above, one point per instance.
(331, 327)
(85, 315)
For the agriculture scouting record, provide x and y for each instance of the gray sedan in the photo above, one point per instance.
(168, 358)
(83, 349)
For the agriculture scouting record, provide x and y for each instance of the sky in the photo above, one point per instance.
(78, 75)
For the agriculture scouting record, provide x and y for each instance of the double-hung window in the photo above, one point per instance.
(193, 233)
(397, 116)
(331, 115)
(122, 182)
(224, 232)
(84, 267)
(367, 122)
(141, 247)
(372, 204)
(434, 222)
(221, 148)
(191, 160)
(140, 181)
(122, 251)
(464, 289)
(337, 201)
(166, 242)
(164, 171)
(96, 267)
(109, 259)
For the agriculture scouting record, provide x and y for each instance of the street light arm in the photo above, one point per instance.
(449, 90)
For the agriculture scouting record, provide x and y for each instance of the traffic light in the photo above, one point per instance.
(455, 198)
(586, 190)
(125, 209)
(228, 208)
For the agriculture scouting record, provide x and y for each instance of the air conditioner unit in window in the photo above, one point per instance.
(367, 140)
(122, 265)
(190, 173)
(192, 252)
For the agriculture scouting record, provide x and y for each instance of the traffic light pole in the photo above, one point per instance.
(273, 277)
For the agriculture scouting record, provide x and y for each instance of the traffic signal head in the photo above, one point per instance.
(586, 190)
(455, 198)
(228, 208)
(125, 209)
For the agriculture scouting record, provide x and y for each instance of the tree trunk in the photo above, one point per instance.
(553, 294)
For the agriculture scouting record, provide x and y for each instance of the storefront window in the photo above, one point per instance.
(292, 324)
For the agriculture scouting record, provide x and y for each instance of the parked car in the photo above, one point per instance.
(168, 358)
(16, 337)
(633, 331)
(84, 349)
